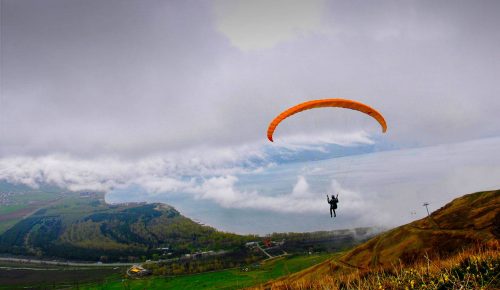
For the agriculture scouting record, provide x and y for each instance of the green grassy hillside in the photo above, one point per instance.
(80, 227)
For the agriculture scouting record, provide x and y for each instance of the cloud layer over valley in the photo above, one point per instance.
(170, 101)
(379, 188)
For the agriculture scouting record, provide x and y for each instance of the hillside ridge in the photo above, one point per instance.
(86, 228)
(464, 222)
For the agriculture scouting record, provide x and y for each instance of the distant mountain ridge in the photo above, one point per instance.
(83, 227)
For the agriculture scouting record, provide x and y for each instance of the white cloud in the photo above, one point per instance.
(317, 140)
(223, 190)
(159, 78)
(352, 201)
(161, 173)
(301, 188)
(261, 24)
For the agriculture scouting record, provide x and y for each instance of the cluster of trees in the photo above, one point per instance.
(237, 258)
(322, 241)
(78, 229)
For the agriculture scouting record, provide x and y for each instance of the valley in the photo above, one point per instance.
(75, 238)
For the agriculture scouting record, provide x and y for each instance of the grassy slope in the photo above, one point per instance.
(466, 221)
(225, 279)
(474, 268)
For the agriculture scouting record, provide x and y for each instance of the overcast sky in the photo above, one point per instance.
(170, 100)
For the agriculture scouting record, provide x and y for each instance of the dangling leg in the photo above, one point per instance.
(331, 212)
(334, 214)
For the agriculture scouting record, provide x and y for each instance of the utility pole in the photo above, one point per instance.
(426, 204)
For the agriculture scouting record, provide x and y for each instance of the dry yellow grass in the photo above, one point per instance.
(474, 268)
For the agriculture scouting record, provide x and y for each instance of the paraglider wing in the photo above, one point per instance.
(341, 103)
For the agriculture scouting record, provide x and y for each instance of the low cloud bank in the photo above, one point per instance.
(376, 189)
(204, 172)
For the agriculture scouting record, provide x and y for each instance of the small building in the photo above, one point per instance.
(138, 270)
(251, 244)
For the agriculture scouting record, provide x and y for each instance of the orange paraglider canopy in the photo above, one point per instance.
(341, 103)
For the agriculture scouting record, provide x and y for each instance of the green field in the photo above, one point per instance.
(225, 279)
(23, 205)
(6, 209)
(16, 275)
